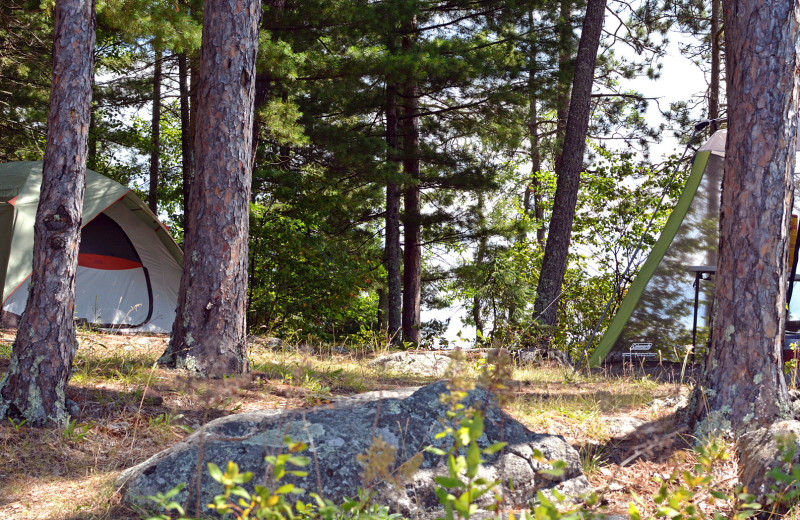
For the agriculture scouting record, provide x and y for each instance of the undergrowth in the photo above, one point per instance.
(70, 474)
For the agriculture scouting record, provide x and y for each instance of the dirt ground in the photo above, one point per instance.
(624, 425)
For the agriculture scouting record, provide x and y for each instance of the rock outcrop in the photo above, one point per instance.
(420, 363)
(407, 419)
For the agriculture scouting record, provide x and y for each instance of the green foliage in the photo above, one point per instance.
(459, 490)
(301, 279)
(275, 502)
(76, 432)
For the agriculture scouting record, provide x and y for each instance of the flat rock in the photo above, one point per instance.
(423, 363)
(408, 419)
(623, 425)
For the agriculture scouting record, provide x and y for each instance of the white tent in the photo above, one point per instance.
(129, 267)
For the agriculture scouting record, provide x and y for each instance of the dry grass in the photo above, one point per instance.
(62, 475)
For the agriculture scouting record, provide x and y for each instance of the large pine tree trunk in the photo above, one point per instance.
(34, 387)
(412, 253)
(155, 131)
(554, 264)
(393, 251)
(209, 334)
(743, 383)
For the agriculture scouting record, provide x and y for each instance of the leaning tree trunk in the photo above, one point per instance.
(743, 385)
(554, 263)
(209, 334)
(34, 387)
(412, 252)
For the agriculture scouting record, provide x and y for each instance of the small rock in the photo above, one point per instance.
(117, 426)
(421, 363)
(623, 425)
(73, 408)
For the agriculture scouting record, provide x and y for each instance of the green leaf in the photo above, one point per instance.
(435, 451)
(215, 472)
(450, 482)
(494, 448)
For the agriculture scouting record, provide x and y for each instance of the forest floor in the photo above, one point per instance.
(624, 426)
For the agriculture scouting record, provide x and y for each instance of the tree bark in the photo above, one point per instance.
(743, 384)
(209, 334)
(392, 246)
(34, 387)
(535, 186)
(186, 142)
(412, 253)
(716, 59)
(554, 263)
(155, 134)
(565, 77)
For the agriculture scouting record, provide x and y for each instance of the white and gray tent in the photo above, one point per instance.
(129, 267)
(667, 307)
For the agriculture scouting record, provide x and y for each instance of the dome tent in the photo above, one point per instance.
(668, 306)
(129, 267)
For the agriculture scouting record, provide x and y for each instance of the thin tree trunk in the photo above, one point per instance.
(155, 144)
(480, 258)
(186, 143)
(91, 160)
(209, 334)
(412, 253)
(554, 263)
(565, 77)
(35, 384)
(743, 384)
(712, 180)
(716, 59)
(535, 187)
(392, 246)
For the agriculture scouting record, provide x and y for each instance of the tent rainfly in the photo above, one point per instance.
(667, 308)
(129, 267)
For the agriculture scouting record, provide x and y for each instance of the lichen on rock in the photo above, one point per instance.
(407, 419)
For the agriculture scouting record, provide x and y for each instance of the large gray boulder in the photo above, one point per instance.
(408, 419)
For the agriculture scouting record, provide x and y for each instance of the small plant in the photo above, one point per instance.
(689, 495)
(786, 489)
(593, 457)
(17, 424)
(167, 421)
(459, 490)
(75, 431)
(164, 501)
